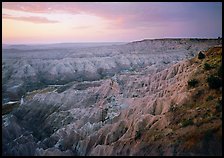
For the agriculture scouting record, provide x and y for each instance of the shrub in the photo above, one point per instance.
(209, 98)
(218, 106)
(137, 135)
(201, 55)
(199, 93)
(220, 71)
(207, 66)
(100, 71)
(172, 108)
(125, 129)
(214, 82)
(208, 134)
(104, 114)
(192, 83)
(187, 122)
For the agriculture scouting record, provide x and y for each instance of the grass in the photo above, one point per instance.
(194, 121)
(203, 109)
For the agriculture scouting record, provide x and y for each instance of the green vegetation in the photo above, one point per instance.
(125, 129)
(202, 111)
(208, 66)
(209, 98)
(187, 122)
(220, 71)
(218, 106)
(201, 55)
(137, 135)
(192, 83)
(208, 134)
(172, 108)
(214, 82)
(104, 114)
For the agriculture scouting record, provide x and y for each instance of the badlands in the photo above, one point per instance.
(160, 97)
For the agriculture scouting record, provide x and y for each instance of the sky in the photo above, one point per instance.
(59, 22)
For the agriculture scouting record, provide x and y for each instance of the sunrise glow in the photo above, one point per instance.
(48, 22)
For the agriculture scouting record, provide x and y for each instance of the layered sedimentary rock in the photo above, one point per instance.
(26, 68)
(126, 113)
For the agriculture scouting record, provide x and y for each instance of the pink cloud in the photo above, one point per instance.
(32, 19)
(26, 6)
(40, 7)
(176, 18)
(121, 15)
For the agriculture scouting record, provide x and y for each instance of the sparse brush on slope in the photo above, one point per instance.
(208, 66)
(202, 113)
(192, 83)
(201, 55)
(214, 82)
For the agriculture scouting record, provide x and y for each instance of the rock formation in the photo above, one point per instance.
(131, 99)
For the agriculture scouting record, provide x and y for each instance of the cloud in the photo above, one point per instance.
(132, 14)
(177, 17)
(119, 15)
(40, 7)
(32, 19)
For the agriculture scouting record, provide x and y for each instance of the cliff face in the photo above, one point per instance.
(157, 109)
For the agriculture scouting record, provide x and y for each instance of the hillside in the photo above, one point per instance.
(170, 105)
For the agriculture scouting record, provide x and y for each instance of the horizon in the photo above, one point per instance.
(172, 38)
(58, 43)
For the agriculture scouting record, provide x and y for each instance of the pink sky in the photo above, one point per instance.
(50, 22)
